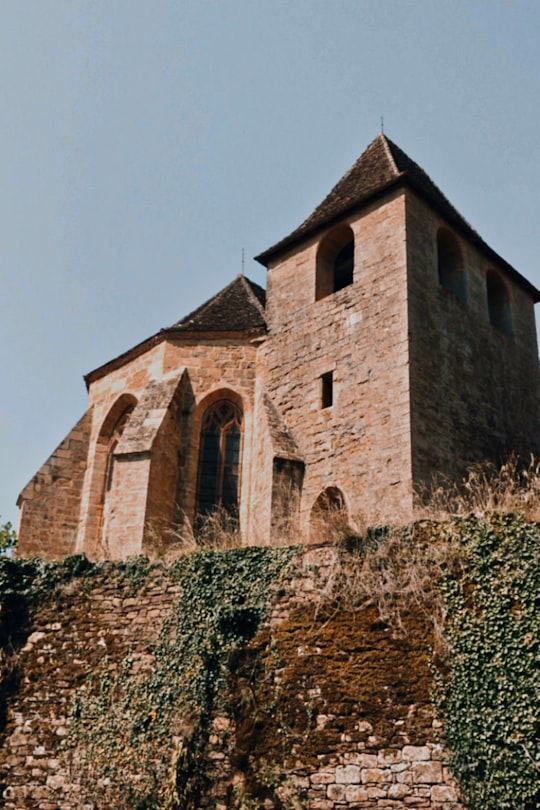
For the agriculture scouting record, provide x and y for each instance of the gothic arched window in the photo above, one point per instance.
(219, 458)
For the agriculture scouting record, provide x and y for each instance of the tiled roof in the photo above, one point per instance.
(236, 308)
(239, 307)
(382, 166)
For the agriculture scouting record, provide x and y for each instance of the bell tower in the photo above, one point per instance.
(400, 346)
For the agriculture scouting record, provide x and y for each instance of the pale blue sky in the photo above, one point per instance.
(144, 143)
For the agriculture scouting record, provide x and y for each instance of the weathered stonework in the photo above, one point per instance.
(472, 387)
(392, 346)
(389, 757)
(51, 501)
(362, 443)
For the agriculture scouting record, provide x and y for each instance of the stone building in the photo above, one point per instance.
(391, 344)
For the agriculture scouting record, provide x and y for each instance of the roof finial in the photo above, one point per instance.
(382, 125)
(243, 261)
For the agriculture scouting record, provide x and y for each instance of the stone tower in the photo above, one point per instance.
(400, 345)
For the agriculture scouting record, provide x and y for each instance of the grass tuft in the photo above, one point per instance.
(513, 488)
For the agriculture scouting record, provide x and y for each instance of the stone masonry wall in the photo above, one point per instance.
(50, 502)
(141, 496)
(152, 487)
(361, 444)
(214, 368)
(373, 742)
(474, 391)
(355, 697)
(69, 638)
(129, 380)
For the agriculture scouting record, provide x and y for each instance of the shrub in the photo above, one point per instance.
(8, 537)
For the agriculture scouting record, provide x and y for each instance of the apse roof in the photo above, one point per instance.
(239, 306)
(381, 167)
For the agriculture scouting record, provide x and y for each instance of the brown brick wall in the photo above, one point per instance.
(130, 380)
(422, 384)
(216, 369)
(140, 504)
(71, 636)
(155, 467)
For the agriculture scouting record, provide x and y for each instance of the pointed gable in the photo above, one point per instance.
(374, 171)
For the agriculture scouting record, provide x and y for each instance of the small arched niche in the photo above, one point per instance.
(335, 262)
(498, 303)
(329, 517)
(450, 264)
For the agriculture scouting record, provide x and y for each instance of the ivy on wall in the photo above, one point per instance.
(490, 701)
(138, 741)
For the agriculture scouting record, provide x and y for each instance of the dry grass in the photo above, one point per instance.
(514, 487)
(396, 569)
(217, 530)
(332, 526)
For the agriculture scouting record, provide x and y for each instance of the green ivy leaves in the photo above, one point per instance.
(490, 701)
(145, 737)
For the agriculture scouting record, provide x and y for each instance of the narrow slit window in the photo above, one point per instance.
(327, 389)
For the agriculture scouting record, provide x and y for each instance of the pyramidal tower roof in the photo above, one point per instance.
(237, 307)
(380, 168)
